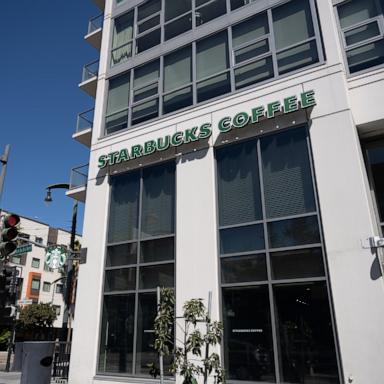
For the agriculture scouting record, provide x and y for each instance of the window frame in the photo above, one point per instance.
(46, 284)
(138, 265)
(37, 261)
(192, 41)
(379, 19)
(268, 251)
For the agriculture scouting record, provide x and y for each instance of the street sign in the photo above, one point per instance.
(56, 257)
(23, 249)
(24, 302)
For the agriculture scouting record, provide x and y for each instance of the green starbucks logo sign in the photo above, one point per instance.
(56, 257)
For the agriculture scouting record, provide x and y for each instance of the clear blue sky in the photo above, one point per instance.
(42, 51)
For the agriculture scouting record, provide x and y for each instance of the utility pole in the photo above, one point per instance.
(3, 161)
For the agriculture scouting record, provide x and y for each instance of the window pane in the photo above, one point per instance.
(376, 161)
(158, 200)
(249, 30)
(254, 73)
(46, 287)
(247, 334)
(118, 94)
(240, 3)
(287, 176)
(120, 280)
(362, 33)
(148, 8)
(288, 233)
(213, 87)
(177, 69)
(212, 55)
(251, 51)
(122, 35)
(210, 11)
(299, 263)
(123, 216)
(145, 92)
(157, 276)
(177, 27)
(356, 11)
(242, 239)
(157, 250)
(241, 269)
(116, 122)
(35, 285)
(148, 24)
(149, 40)
(116, 341)
(146, 74)
(297, 57)
(307, 349)
(292, 23)
(145, 111)
(238, 184)
(124, 254)
(177, 100)
(176, 8)
(145, 353)
(35, 263)
(365, 57)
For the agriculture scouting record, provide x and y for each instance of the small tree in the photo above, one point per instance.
(191, 355)
(37, 318)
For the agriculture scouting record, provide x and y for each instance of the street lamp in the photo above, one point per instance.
(68, 264)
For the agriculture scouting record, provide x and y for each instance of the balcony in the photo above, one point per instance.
(95, 28)
(84, 127)
(100, 4)
(89, 78)
(78, 183)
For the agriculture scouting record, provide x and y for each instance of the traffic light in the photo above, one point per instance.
(8, 286)
(9, 232)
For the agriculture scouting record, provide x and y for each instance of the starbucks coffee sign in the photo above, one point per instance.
(204, 131)
(56, 257)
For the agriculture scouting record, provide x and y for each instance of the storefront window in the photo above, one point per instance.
(277, 327)
(140, 258)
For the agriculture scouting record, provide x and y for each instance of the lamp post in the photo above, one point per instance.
(68, 265)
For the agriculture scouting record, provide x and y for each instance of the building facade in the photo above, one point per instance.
(236, 148)
(39, 283)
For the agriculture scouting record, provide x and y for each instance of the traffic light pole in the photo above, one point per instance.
(4, 162)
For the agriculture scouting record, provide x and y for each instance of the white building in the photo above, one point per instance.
(40, 283)
(236, 148)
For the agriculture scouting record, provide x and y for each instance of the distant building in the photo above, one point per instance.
(40, 283)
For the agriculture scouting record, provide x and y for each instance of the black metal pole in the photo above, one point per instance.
(4, 162)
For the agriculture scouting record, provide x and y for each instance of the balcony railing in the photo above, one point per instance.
(95, 23)
(79, 177)
(90, 70)
(85, 120)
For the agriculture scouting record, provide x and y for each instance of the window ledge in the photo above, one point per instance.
(131, 379)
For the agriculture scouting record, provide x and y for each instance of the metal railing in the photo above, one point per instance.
(84, 120)
(95, 23)
(79, 176)
(60, 363)
(90, 70)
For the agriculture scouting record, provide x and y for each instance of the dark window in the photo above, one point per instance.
(269, 241)
(140, 256)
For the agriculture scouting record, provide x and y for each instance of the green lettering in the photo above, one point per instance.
(163, 143)
(225, 124)
(112, 157)
(256, 114)
(190, 135)
(272, 108)
(102, 161)
(205, 131)
(136, 151)
(240, 120)
(123, 156)
(290, 104)
(149, 147)
(308, 99)
(177, 139)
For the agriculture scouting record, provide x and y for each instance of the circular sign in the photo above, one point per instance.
(55, 257)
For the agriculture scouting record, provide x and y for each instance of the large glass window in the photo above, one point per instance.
(261, 48)
(122, 38)
(140, 257)
(269, 243)
(362, 26)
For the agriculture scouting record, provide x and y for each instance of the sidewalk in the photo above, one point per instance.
(10, 377)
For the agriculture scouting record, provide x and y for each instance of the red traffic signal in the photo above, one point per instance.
(8, 234)
(11, 220)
